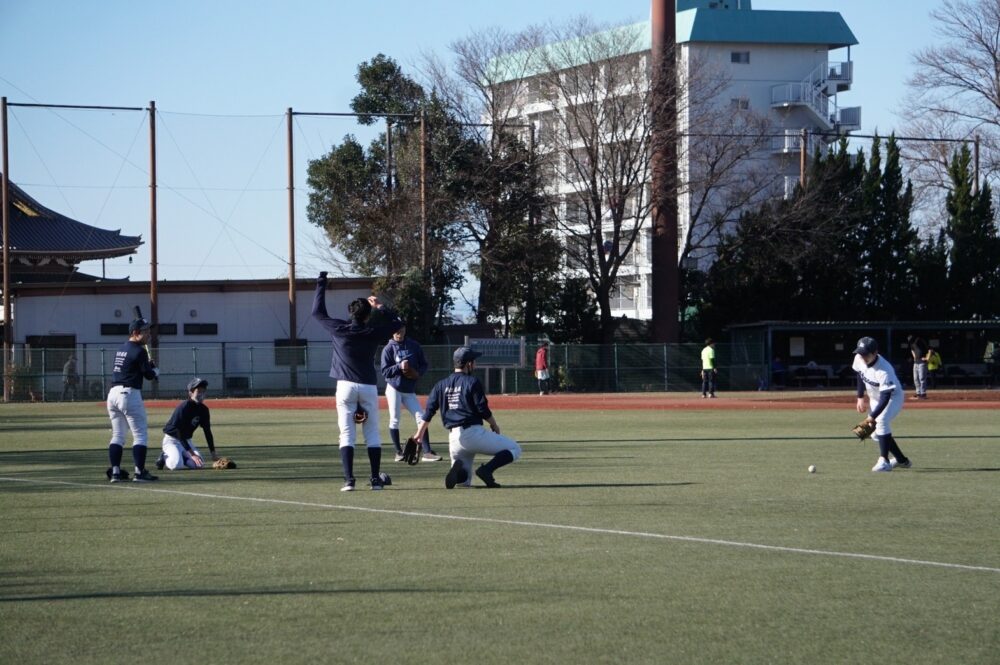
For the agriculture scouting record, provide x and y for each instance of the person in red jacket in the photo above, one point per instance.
(542, 368)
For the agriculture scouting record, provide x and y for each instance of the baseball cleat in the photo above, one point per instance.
(456, 474)
(486, 476)
(896, 464)
(116, 477)
(386, 480)
(376, 483)
(431, 457)
(399, 457)
(348, 486)
(882, 465)
(161, 462)
(144, 476)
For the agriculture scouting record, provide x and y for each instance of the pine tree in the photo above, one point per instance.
(973, 260)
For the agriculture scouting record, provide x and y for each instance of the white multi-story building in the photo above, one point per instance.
(783, 68)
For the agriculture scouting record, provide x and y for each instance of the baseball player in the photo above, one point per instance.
(709, 371)
(403, 363)
(464, 407)
(877, 377)
(352, 366)
(125, 405)
(179, 451)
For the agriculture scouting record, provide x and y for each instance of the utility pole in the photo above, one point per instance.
(292, 322)
(8, 332)
(665, 271)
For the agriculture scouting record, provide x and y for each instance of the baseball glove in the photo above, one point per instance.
(411, 451)
(224, 463)
(410, 372)
(360, 416)
(864, 429)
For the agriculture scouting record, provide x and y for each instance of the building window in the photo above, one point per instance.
(201, 328)
(577, 247)
(114, 329)
(739, 104)
(50, 352)
(289, 352)
(625, 294)
(740, 57)
(166, 329)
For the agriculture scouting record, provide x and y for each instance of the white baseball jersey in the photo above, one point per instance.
(879, 377)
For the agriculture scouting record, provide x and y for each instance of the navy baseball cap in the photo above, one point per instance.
(866, 345)
(139, 324)
(465, 354)
(196, 383)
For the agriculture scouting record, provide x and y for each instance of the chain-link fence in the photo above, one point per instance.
(241, 370)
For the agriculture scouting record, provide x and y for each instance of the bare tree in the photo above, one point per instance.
(510, 248)
(955, 92)
(594, 126)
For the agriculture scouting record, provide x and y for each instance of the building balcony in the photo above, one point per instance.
(839, 76)
(849, 119)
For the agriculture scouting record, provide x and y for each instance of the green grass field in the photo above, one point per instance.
(644, 536)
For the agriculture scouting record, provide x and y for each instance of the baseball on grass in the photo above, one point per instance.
(812, 468)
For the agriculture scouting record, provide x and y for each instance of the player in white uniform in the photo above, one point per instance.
(877, 378)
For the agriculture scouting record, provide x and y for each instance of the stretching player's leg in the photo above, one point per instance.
(461, 457)
(504, 450)
(393, 401)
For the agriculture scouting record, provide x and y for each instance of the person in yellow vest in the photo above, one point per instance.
(934, 365)
(708, 369)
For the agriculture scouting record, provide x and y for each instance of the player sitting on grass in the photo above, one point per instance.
(885, 398)
(179, 452)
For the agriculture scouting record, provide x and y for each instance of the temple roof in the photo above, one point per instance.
(37, 232)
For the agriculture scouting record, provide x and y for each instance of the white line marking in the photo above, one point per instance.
(543, 525)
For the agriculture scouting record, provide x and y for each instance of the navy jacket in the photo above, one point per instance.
(461, 399)
(354, 344)
(394, 354)
(131, 366)
(186, 418)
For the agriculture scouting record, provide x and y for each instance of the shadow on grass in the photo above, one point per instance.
(953, 470)
(211, 593)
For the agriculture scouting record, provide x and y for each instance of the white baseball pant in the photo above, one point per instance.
(176, 456)
(465, 442)
(350, 396)
(126, 409)
(883, 424)
(408, 401)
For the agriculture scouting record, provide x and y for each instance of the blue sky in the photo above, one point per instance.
(222, 74)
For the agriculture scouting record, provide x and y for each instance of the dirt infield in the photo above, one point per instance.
(744, 401)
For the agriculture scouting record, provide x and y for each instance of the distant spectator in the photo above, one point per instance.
(709, 371)
(779, 372)
(70, 379)
(934, 365)
(542, 368)
(993, 366)
(918, 350)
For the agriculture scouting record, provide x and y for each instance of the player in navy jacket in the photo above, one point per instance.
(463, 405)
(403, 363)
(125, 406)
(352, 366)
(179, 451)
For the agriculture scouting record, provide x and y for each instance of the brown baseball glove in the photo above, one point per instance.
(410, 372)
(411, 451)
(224, 463)
(864, 429)
(360, 416)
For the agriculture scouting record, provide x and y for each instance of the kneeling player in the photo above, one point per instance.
(463, 405)
(179, 452)
(877, 377)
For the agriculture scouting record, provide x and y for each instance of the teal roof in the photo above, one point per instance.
(700, 25)
(764, 27)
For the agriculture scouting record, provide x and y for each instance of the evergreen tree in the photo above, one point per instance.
(973, 260)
